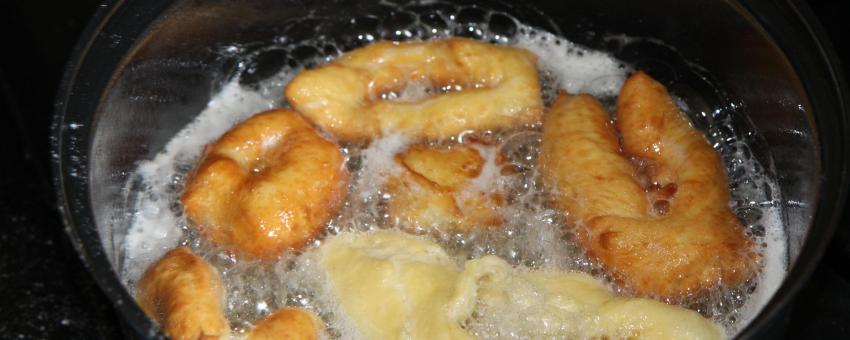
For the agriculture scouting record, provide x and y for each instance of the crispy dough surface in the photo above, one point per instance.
(696, 244)
(433, 190)
(183, 293)
(288, 324)
(269, 184)
(500, 89)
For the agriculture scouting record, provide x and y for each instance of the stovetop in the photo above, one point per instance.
(45, 292)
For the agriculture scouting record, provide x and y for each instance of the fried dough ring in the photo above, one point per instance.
(289, 324)
(184, 294)
(269, 184)
(433, 192)
(500, 89)
(697, 245)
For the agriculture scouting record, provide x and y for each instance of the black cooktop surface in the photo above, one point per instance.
(45, 292)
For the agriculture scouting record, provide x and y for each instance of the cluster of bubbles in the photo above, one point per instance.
(310, 41)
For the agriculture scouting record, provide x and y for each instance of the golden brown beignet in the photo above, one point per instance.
(288, 324)
(269, 184)
(184, 294)
(500, 89)
(677, 247)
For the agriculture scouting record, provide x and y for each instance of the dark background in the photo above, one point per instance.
(45, 292)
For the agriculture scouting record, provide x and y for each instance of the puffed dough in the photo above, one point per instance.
(288, 324)
(269, 184)
(184, 294)
(677, 247)
(434, 190)
(393, 285)
(500, 89)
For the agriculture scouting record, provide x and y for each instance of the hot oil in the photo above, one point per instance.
(533, 235)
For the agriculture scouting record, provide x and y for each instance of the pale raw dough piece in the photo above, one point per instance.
(397, 286)
(513, 303)
(393, 286)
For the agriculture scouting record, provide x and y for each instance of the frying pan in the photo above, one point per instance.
(144, 68)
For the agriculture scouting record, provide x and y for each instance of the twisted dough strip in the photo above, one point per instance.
(269, 184)
(695, 243)
(183, 293)
(500, 89)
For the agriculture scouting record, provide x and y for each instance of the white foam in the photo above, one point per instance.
(490, 178)
(155, 230)
(379, 164)
(577, 69)
(774, 261)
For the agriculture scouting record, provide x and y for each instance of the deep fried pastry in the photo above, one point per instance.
(500, 89)
(289, 324)
(435, 190)
(269, 184)
(677, 247)
(394, 285)
(184, 294)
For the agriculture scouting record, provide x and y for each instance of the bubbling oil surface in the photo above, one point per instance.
(533, 235)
